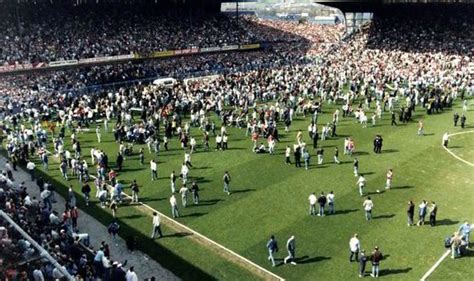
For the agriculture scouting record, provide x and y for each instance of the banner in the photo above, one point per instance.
(107, 59)
(230, 47)
(63, 63)
(186, 51)
(161, 54)
(249, 46)
(210, 49)
(17, 67)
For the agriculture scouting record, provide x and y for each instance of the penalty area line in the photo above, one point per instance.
(436, 265)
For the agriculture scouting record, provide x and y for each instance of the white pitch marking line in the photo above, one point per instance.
(454, 155)
(200, 235)
(432, 269)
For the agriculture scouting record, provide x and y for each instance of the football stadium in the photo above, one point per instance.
(236, 140)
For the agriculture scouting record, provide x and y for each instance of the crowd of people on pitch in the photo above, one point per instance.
(84, 31)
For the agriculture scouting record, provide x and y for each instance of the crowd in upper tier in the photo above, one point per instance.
(45, 33)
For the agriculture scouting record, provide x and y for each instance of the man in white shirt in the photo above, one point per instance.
(354, 246)
(153, 168)
(97, 132)
(131, 275)
(187, 159)
(184, 195)
(174, 206)
(31, 169)
(312, 204)
(38, 275)
(330, 198)
(184, 173)
(156, 226)
(368, 206)
(361, 183)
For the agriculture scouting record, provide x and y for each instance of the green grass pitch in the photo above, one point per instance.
(270, 197)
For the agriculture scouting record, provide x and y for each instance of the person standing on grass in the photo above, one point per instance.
(361, 183)
(306, 158)
(354, 247)
(322, 203)
(135, 190)
(312, 204)
(362, 263)
(320, 153)
(98, 134)
(272, 247)
(119, 161)
(63, 169)
(174, 206)
(420, 127)
(356, 167)
(173, 182)
(113, 206)
(297, 154)
(195, 191)
(376, 258)
(368, 206)
(287, 155)
(445, 139)
(456, 241)
(291, 248)
(227, 179)
(331, 198)
(410, 212)
(187, 159)
(465, 231)
(336, 155)
(433, 211)
(184, 173)
(455, 119)
(422, 212)
(192, 143)
(154, 170)
(142, 156)
(388, 183)
(463, 120)
(184, 195)
(156, 226)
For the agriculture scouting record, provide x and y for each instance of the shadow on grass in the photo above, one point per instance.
(130, 217)
(208, 202)
(446, 222)
(178, 234)
(194, 215)
(307, 259)
(359, 153)
(394, 271)
(403, 187)
(389, 150)
(242, 190)
(148, 199)
(383, 216)
(343, 212)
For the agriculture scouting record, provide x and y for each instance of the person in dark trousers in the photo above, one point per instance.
(119, 161)
(195, 191)
(456, 119)
(156, 226)
(362, 263)
(433, 211)
(410, 212)
(142, 156)
(297, 155)
(322, 203)
(394, 123)
(463, 121)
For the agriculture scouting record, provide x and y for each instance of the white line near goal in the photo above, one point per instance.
(454, 155)
(432, 269)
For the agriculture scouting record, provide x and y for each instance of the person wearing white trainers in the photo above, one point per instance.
(291, 247)
(376, 257)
